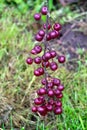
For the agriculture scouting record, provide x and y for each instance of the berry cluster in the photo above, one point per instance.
(49, 96)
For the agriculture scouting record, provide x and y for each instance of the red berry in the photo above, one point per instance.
(60, 87)
(57, 26)
(58, 110)
(45, 64)
(42, 110)
(56, 81)
(38, 38)
(38, 101)
(60, 95)
(53, 34)
(36, 73)
(34, 109)
(41, 33)
(51, 101)
(53, 66)
(48, 26)
(49, 107)
(38, 48)
(53, 54)
(37, 16)
(50, 84)
(44, 10)
(33, 51)
(41, 91)
(58, 103)
(47, 55)
(43, 81)
(61, 59)
(57, 33)
(48, 37)
(56, 92)
(41, 70)
(50, 93)
(29, 60)
(37, 60)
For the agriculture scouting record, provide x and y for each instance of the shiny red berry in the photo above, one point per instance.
(56, 81)
(36, 73)
(41, 91)
(57, 26)
(38, 38)
(41, 70)
(48, 37)
(37, 16)
(60, 87)
(45, 64)
(49, 107)
(53, 34)
(41, 33)
(61, 59)
(29, 60)
(53, 66)
(50, 93)
(48, 26)
(38, 48)
(34, 109)
(53, 54)
(58, 110)
(44, 10)
(37, 60)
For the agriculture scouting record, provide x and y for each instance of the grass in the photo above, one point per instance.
(18, 85)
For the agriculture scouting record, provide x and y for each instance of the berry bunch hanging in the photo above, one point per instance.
(50, 94)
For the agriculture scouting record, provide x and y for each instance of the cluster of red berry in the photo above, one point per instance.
(51, 93)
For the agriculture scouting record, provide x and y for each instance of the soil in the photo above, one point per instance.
(72, 43)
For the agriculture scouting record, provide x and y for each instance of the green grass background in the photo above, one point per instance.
(17, 82)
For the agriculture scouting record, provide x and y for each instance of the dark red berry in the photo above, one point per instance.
(41, 33)
(56, 81)
(48, 37)
(48, 26)
(61, 59)
(29, 60)
(49, 107)
(47, 55)
(53, 54)
(60, 95)
(41, 70)
(42, 110)
(44, 10)
(45, 64)
(57, 33)
(38, 38)
(37, 60)
(58, 110)
(58, 103)
(50, 84)
(36, 73)
(38, 48)
(56, 92)
(51, 101)
(33, 51)
(37, 16)
(53, 34)
(44, 59)
(34, 109)
(50, 93)
(61, 87)
(41, 91)
(57, 26)
(43, 81)
(38, 101)
(53, 66)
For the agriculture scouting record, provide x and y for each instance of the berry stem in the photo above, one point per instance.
(45, 42)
